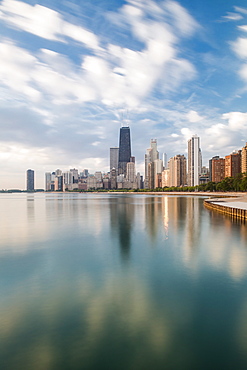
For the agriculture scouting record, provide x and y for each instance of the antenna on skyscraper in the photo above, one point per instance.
(122, 119)
(128, 118)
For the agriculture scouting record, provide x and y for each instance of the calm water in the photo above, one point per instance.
(120, 282)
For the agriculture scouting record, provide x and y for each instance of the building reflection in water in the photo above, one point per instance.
(229, 244)
(153, 216)
(30, 208)
(172, 214)
(165, 212)
(122, 213)
(193, 221)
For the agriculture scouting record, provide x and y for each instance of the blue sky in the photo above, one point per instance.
(71, 72)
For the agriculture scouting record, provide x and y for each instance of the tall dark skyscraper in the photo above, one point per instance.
(30, 180)
(124, 150)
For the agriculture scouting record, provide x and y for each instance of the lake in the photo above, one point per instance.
(120, 281)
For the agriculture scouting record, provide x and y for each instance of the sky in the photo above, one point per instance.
(73, 72)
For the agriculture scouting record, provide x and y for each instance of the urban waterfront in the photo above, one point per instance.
(121, 281)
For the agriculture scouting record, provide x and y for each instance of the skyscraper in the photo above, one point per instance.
(210, 166)
(47, 181)
(75, 175)
(194, 160)
(131, 173)
(218, 169)
(124, 150)
(114, 153)
(233, 164)
(177, 170)
(158, 168)
(151, 155)
(164, 157)
(244, 159)
(30, 180)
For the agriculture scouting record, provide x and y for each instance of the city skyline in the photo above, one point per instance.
(179, 171)
(190, 169)
(167, 69)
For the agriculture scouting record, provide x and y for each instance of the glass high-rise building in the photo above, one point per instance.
(30, 180)
(114, 154)
(124, 150)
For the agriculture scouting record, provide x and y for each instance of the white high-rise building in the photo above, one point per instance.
(151, 155)
(98, 175)
(194, 160)
(131, 173)
(75, 175)
(58, 172)
(68, 178)
(158, 168)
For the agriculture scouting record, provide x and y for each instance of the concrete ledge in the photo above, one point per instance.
(236, 208)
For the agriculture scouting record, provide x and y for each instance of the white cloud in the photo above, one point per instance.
(44, 22)
(182, 19)
(15, 72)
(236, 120)
(232, 16)
(132, 11)
(240, 10)
(193, 116)
(48, 75)
(217, 138)
(187, 133)
(243, 28)
(243, 72)
(37, 19)
(240, 47)
(158, 61)
(81, 35)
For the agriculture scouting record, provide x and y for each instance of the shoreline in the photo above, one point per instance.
(210, 195)
(207, 194)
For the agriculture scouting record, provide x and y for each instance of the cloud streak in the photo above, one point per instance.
(44, 22)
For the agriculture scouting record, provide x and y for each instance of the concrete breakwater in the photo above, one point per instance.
(234, 207)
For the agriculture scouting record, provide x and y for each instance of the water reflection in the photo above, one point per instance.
(165, 212)
(192, 227)
(152, 216)
(84, 328)
(122, 214)
(30, 208)
(68, 302)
